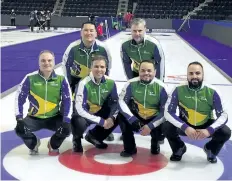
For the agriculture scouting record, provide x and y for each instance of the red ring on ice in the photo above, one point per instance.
(143, 162)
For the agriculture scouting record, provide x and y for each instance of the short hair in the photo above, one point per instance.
(47, 51)
(196, 63)
(88, 22)
(138, 21)
(98, 57)
(148, 61)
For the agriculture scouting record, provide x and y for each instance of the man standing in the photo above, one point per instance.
(48, 19)
(92, 18)
(100, 35)
(141, 47)
(77, 57)
(33, 19)
(12, 17)
(96, 101)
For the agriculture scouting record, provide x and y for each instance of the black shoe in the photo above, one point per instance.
(110, 137)
(210, 156)
(121, 138)
(77, 146)
(125, 153)
(178, 155)
(155, 149)
(95, 142)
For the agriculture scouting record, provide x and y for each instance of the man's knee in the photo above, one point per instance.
(64, 130)
(78, 121)
(168, 128)
(124, 125)
(224, 133)
(22, 131)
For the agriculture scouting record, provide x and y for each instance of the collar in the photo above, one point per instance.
(52, 76)
(93, 48)
(93, 79)
(152, 81)
(202, 86)
(134, 43)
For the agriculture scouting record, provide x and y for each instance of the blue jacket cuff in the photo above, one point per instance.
(184, 127)
(210, 130)
(19, 117)
(151, 126)
(66, 119)
(132, 119)
(102, 121)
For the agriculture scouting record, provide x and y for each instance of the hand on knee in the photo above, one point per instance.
(21, 128)
(136, 125)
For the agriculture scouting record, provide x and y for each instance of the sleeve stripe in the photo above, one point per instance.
(162, 56)
(80, 101)
(220, 111)
(158, 122)
(172, 118)
(122, 105)
(18, 103)
(70, 110)
(66, 55)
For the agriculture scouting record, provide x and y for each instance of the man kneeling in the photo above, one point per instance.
(96, 102)
(45, 91)
(141, 104)
(196, 102)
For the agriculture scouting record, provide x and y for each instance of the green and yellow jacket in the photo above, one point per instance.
(77, 60)
(44, 96)
(149, 100)
(196, 108)
(91, 96)
(133, 54)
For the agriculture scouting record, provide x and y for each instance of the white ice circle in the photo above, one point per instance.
(112, 158)
(194, 164)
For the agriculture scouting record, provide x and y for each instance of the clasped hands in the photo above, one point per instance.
(109, 123)
(197, 134)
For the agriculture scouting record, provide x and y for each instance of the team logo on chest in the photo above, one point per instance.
(104, 91)
(152, 93)
(37, 84)
(53, 83)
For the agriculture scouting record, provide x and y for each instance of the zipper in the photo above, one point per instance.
(46, 95)
(88, 54)
(138, 51)
(87, 65)
(195, 107)
(145, 94)
(87, 60)
(139, 54)
(99, 95)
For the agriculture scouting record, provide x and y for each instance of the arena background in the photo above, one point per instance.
(205, 26)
